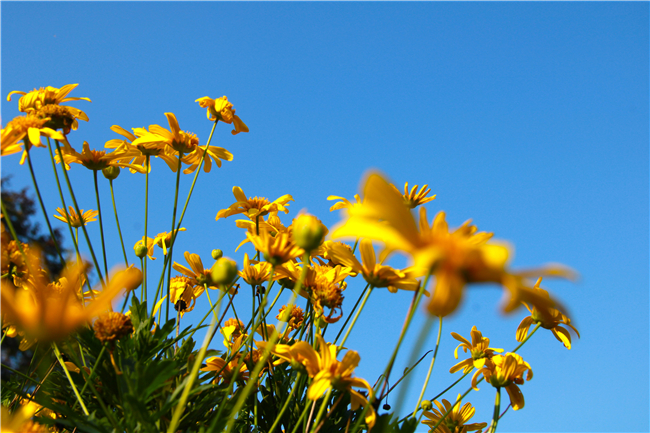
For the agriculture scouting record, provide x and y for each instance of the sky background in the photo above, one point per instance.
(529, 118)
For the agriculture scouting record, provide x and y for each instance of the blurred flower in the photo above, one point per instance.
(374, 273)
(112, 326)
(455, 421)
(506, 371)
(344, 203)
(73, 219)
(253, 207)
(227, 370)
(276, 250)
(20, 421)
(414, 198)
(221, 109)
(552, 320)
(17, 265)
(479, 350)
(50, 312)
(29, 129)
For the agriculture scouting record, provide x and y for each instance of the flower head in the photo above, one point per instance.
(183, 294)
(75, 220)
(98, 159)
(455, 421)
(506, 371)
(198, 275)
(29, 129)
(257, 273)
(276, 249)
(479, 350)
(254, 207)
(227, 369)
(551, 320)
(413, 197)
(221, 109)
(112, 326)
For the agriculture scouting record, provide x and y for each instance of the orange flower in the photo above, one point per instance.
(221, 109)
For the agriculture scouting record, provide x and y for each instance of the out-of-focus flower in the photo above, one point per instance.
(455, 258)
(51, 315)
(45, 103)
(374, 273)
(551, 320)
(29, 129)
(255, 206)
(276, 250)
(20, 421)
(344, 203)
(294, 317)
(112, 326)
(308, 232)
(506, 371)
(479, 350)
(455, 421)
(227, 369)
(221, 109)
(15, 265)
(71, 217)
(414, 198)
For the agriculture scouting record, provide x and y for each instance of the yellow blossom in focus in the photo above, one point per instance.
(276, 250)
(479, 350)
(98, 159)
(149, 245)
(257, 273)
(152, 145)
(29, 129)
(551, 320)
(73, 219)
(455, 421)
(164, 240)
(221, 109)
(253, 207)
(413, 197)
(294, 317)
(506, 371)
(183, 294)
(45, 103)
(199, 276)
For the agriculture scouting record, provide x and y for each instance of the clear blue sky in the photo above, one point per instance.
(530, 118)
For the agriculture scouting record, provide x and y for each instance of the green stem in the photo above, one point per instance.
(351, 313)
(101, 225)
(286, 404)
(302, 416)
(433, 360)
(173, 235)
(147, 165)
(497, 407)
(345, 337)
(117, 221)
(530, 334)
(67, 373)
(323, 406)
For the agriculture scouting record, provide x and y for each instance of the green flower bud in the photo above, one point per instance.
(223, 271)
(140, 251)
(308, 232)
(111, 172)
(426, 405)
(217, 254)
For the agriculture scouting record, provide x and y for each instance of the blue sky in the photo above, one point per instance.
(529, 118)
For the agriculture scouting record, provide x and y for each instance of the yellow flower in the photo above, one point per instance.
(164, 240)
(479, 350)
(45, 103)
(272, 225)
(183, 294)
(29, 129)
(257, 273)
(551, 320)
(20, 421)
(227, 370)
(49, 314)
(98, 159)
(455, 421)
(276, 250)
(506, 371)
(221, 109)
(456, 258)
(414, 198)
(150, 244)
(294, 317)
(253, 207)
(198, 274)
(73, 219)
(376, 274)
(153, 145)
(344, 203)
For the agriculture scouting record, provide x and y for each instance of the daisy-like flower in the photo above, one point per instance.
(479, 350)
(52, 315)
(294, 317)
(254, 207)
(28, 129)
(98, 159)
(506, 371)
(198, 274)
(164, 240)
(455, 421)
(551, 320)
(276, 250)
(413, 197)
(272, 225)
(257, 273)
(344, 203)
(227, 369)
(153, 146)
(456, 258)
(221, 109)
(376, 274)
(183, 294)
(75, 220)
(45, 103)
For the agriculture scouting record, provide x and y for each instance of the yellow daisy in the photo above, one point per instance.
(73, 219)
(221, 109)
(455, 421)
(506, 371)
(28, 129)
(413, 197)
(479, 350)
(254, 207)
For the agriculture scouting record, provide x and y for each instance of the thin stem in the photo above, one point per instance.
(345, 337)
(351, 313)
(101, 225)
(286, 404)
(67, 373)
(323, 406)
(497, 406)
(302, 416)
(173, 235)
(527, 337)
(433, 360)
(117, 221)
(147, 165)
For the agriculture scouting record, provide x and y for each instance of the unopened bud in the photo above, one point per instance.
(217, 254)
(111, 172)
(308, 232)
(426, 405)
(223, 271)
(140, 251)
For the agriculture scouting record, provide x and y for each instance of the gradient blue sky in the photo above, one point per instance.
(529, 118)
